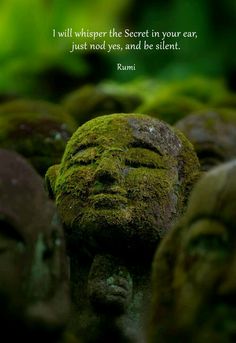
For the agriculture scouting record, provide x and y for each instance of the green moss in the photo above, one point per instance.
(204, 90)
(170, 107)
(37, 130)
(173, 101)
(50, 179)
(225, 100)
(91, 101)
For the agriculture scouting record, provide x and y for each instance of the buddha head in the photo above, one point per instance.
(33, 273)
(213, 135)
(194, 276)
(123, 178)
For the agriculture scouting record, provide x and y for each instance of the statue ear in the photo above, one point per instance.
(50, 180)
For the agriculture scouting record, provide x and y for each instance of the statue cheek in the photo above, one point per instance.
(150, 183)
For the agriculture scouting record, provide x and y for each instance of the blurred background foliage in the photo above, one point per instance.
(34, 64)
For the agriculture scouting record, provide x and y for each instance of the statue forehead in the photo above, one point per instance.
(215, 195)
(123, 129)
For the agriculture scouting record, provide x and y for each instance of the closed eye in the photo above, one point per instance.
(83, 162)
(208, 243)
(85, 156)
(143, 158)
(140, 164)
(207, 238)
(8, 235)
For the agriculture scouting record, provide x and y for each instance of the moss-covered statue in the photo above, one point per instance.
(123, 180)
(34, 296)
(91, 101)
(194, 272)
(37, 130)
(213, 135)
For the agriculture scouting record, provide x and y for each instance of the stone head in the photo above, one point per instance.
(213, 135)
(33, 271)
(38, 130)
(194, 287)
(124, 178)
(91, 101)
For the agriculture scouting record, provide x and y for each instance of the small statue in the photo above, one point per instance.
(34, 292)
(213, 135)
(194, 270)
(91, 101)
(123, 180)
(38, 130)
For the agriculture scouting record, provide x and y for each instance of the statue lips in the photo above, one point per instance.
(107, 201)
(108, 197)
(118, 287)
(114, 292)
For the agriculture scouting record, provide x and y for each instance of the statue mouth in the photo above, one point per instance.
(108, 200)
(113, 298)
(117, 293)
(112, 292)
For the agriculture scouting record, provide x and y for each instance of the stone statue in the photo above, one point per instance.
(213, 135)
(38, 130)
(34, 294)
(194, 270)
(90, 101)
(123, 180)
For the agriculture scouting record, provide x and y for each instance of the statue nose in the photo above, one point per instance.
(108, 170)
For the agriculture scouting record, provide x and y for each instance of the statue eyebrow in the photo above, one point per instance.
(145, 145)
(84, 146)
(204, 216)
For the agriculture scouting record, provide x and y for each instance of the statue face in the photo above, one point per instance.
(109, 285)
(32, 270)
(118, 181)
(205, 273)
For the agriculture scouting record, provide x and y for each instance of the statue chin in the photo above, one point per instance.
(105, 216)
(114, 300)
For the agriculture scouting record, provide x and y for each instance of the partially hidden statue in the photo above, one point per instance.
(213, 135)
(194, 271)
(38, 130)
(34, 289)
